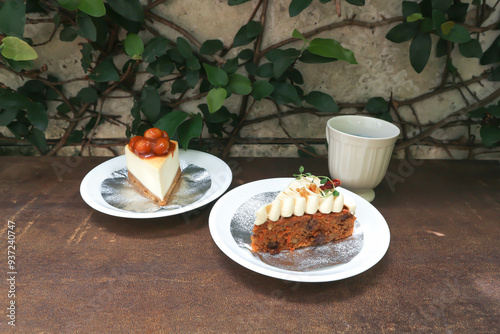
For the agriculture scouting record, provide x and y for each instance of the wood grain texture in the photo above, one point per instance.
(83, 271)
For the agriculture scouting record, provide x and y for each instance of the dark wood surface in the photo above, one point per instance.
(79, 270)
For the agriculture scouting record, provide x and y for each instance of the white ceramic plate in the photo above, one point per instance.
(220, 175)
(375, 233)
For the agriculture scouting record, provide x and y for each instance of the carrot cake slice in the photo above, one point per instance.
(310, 211)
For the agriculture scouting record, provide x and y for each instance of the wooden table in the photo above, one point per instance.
(78, 270)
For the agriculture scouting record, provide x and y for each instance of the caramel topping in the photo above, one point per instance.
(154, 143)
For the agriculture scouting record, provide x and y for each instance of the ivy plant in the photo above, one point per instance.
(184, 69)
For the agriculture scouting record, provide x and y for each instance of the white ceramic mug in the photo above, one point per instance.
(359, 151)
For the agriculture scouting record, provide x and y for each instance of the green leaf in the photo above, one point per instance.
(282, 60)
(190, 129)
(297, 6)
(402, 32)
(410, 8)
(296, 76)
(69, 4)
(490, 135)
(352, 2)
(330, 48)
(134, 46)
(155, 48)
(18, 129)
(385, 116)
(442, 47)
(426, 25)
(86, 27)
(457, 34)
(211, 46)
(68, 34)
(231, 65)
(307, 148)
(251, 68)
(88, 95)
(321, 101)
(37, 138)
(193, 63)
(215, 121)
(247, 33)
(154, 81)
(457, 12)
(253, 29)
(32, 88)
(414, 17)
(420, 51)
(161, 67)
(176, 56)
(262, 89)
(447, 26)
(37, 115)
(298, 35)
(171, 121)
(129, 25)
(438, 18)
(442, 5)
(12, 18)
(477, 113)
(192, 77)
(92, 7)
(377, 105)
(471, 49)
(150, 103)
(285, 92)
(14, 100)
(180, 86)
(216, 76)
(17, 49)
(240, 84)
(76, 136)
(105, 72)
(494, 110)
(63, 108)
(309, 58)
(246, 54)
(7, 116)
(492, 53)
(265, 70)
(19, 65)
(236, 2)
(184, 48)
(220, 116)
(129, 9)
(495, 75)
(86, 60)
(216, 98)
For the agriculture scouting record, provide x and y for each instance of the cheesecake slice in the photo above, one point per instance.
(153, 165)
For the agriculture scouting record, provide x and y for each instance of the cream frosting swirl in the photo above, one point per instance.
(303, 196)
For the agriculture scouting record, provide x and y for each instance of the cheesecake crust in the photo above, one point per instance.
(144, 191)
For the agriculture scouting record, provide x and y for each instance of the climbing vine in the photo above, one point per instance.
(193, 70)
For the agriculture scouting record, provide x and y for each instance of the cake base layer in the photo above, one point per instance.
(302, 231)
(149, 194)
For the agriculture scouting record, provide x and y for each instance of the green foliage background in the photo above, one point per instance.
(205, 68)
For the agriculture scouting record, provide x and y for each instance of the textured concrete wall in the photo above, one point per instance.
(383, 68)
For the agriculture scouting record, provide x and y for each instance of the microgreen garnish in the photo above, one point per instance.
(327, 184)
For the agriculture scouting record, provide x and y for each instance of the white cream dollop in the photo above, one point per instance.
(303, 196)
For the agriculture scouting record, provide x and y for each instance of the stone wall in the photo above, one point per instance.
(383, 69)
